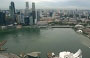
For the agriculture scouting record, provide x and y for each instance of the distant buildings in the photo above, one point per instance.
(36, 16)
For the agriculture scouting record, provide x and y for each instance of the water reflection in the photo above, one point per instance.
(19, 33)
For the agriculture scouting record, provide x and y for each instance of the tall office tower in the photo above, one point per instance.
(27, 21)
(2, 19)
(27, 5)
(12, 11)
(27, 9)
(79, 16)
(50, 14)
(22, 18)
(31, 20)
(33, 12)
(87, 15)
(18, 18)
(74, 14)
(38, 15)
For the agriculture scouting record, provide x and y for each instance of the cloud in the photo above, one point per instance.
(20, 4)
(37, 1)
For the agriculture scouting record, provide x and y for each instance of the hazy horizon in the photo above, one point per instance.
(51, 4)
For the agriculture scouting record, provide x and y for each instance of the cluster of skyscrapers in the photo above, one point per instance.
(32, 16)
(23, 17)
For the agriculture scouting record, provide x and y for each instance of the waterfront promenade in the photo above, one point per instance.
(56, 26)
(46, 26)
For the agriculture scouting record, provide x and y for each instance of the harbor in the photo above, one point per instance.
(45, 40)
(64, 54)
(44, 29)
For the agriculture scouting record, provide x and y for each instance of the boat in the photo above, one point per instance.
(31, 55)
(66, 54)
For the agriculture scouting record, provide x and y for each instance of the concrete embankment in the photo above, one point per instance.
(56, 26)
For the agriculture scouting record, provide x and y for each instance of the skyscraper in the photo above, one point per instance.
(2, 18)
(38, 15)
(33, 12)
(12, 11)
(26, 20)
(22, 18)
(27, 9)
(27, 5)
(31, 20)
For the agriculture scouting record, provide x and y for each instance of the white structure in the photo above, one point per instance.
(79, 26)
(36, 18)
(3, 27)
(79, 31)
(66, 54)
(42, 23)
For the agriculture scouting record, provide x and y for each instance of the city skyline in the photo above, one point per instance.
(40, 4)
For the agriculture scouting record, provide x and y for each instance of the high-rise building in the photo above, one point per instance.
(33, 12)
(26, 20)
(22, 18)
(31, 20)
(38, 15)
(50, 14)
(27, 9)
(2, 19)
(13, 7)
(27, 5)
(12, 11)
(18, 19)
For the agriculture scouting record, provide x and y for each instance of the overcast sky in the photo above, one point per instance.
(72, 4)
